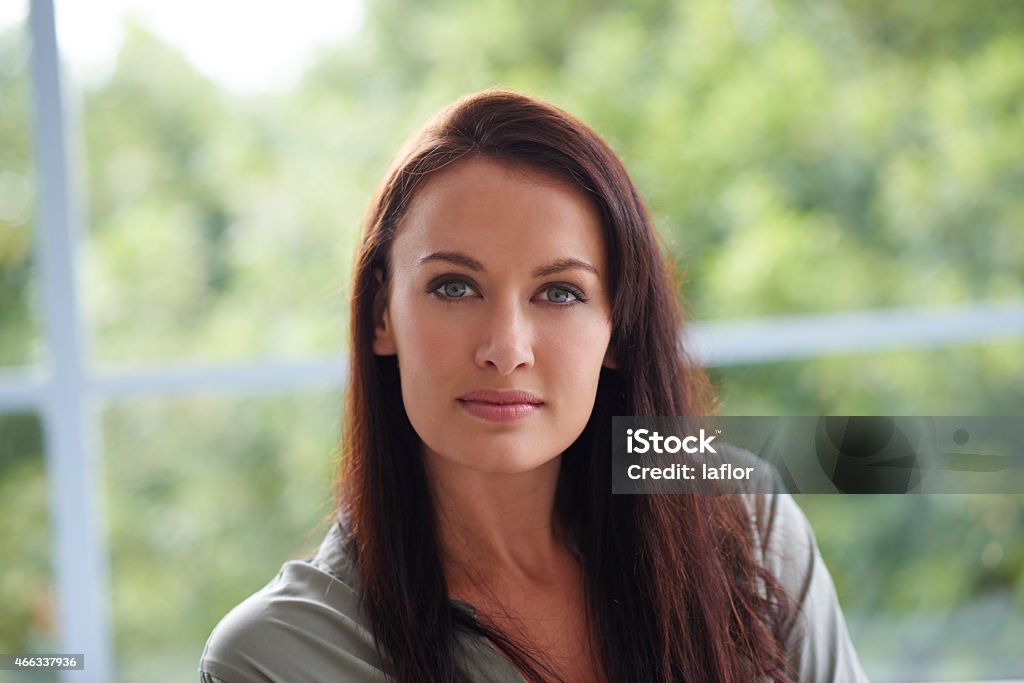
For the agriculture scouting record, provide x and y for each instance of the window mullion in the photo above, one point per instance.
(79, 548)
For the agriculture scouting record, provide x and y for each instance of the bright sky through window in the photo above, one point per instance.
(245, 46)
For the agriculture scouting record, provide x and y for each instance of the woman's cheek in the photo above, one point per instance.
(432, 346)
(439, 338)
(417, 326)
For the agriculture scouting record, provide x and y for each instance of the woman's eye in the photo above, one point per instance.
(454, 290)
(560, 295)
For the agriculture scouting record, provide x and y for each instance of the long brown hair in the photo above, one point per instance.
(673, 588)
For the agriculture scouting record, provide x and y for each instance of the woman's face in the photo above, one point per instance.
(499, 312)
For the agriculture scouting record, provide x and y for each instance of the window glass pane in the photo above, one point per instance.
(797, 159)
(977, 379)
(207, 497)
(19, 320)
(930, 584)
(29, 622)
(223, 204)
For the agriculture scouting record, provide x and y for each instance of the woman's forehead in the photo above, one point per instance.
(490, 208)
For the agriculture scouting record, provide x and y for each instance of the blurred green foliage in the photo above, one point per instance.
(798, 156)
(207, 497)
(25, 580)
(18, 322)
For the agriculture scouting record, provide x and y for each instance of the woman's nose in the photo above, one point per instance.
(506, 342)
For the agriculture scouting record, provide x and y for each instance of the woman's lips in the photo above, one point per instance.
(500, 406)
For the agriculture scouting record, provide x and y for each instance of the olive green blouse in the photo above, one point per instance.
(306, 624)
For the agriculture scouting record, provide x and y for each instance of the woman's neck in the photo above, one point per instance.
(496, 528)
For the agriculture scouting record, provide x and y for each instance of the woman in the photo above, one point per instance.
(509, 299)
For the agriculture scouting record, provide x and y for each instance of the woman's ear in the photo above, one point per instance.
(383, 332)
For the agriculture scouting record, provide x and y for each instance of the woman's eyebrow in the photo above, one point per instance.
(461, 259)
(564, 264)
(455, 257)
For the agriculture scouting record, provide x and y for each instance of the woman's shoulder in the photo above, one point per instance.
(305, 624)
(784, 542)
(819, 644)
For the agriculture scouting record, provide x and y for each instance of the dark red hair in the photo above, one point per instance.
(673, 589)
